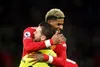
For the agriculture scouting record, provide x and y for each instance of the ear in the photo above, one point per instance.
(43, 38)
(50, 21)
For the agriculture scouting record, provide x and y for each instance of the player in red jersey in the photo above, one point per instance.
(28, 34)
(55, 17)
(60, 49)
(29, 45)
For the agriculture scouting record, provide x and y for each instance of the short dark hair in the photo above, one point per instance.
(47, 29)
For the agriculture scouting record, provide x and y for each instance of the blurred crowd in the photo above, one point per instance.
(81, 28)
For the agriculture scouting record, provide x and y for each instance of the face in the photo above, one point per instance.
(57, 23)
(38, 36)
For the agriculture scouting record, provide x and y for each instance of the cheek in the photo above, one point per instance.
(35, 35)
(55, 25)
(38, 35)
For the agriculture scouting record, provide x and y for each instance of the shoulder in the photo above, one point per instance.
(30, 28)
(29, 31)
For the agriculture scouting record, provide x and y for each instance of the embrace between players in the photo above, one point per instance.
(45, 46)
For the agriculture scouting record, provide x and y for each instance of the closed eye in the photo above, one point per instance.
(60, 24)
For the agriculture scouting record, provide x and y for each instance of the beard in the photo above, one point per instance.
(37, 39)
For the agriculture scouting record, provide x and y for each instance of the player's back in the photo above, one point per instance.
(28, 34)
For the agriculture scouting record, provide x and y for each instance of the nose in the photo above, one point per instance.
(61, 27)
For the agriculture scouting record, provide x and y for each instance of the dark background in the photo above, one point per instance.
(81, 28)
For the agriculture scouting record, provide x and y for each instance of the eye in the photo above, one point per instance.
(59, 24)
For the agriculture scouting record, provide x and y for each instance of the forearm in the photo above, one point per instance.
(57, 61)
(30, 45)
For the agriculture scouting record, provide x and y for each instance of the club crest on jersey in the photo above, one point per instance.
(27, 34)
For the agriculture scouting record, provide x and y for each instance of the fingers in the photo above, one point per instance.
(57, 32)
(31, 56)
(57, 38)
(34, 62)
(62, 38)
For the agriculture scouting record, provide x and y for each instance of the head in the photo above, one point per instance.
(44, 31)
(55, 17)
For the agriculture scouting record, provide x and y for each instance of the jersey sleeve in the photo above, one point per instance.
(71, 63)
(29, 44)
(57, 61)
(60, 60)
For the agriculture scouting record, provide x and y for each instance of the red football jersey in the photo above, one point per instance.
(60, 50)
(29, 45)
(71, 63)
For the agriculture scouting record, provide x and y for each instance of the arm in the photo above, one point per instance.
(28, 41)
(57, 61)
(60, 60)
(71, 63)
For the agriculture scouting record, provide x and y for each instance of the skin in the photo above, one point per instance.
(57, 23)
(38, 36)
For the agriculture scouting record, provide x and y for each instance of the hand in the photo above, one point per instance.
(36, 57)
(57, 38)
(62, 39)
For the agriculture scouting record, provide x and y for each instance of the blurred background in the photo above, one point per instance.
(81, 28)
